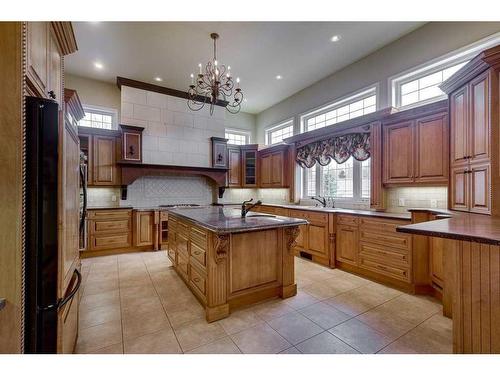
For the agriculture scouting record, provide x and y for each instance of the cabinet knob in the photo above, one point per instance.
(52, 94)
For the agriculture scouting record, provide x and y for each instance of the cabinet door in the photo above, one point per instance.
(54, 89)
(459, 197)
(234, 174)
(459, 118)
(479, 132)
(318, 239)
(143, 228)
(480, 188)
(277, 168)
(347, 244)
(432, 149)
(436, 263)
(104, 161)
(266, 171)
(37, 45)
(302, 238)
(131, 146)
(398, 155)
(249, 168)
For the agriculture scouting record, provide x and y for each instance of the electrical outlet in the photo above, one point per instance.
(113, 198)
(434, 203)
(401, 202)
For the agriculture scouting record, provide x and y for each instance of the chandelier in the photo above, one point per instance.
(214, 84)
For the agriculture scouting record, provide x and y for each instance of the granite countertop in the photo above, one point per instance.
(460, 226)
(110, 208)
(381, 214)
(228, 220)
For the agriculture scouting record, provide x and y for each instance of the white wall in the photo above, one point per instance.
(426, 43)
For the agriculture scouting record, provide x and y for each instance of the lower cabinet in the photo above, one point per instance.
(144, 232)
(347, 244)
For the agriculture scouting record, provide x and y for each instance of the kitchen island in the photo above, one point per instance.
(228, 261)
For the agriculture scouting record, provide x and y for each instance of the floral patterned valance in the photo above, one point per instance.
(338, 148)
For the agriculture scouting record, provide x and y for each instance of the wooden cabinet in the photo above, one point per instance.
(54, 56)
(110, 229)
(347, 244)
(398, 155)
(249, 166)
(415, 149)
(144, 225)
(273, 169)
(131, 143)
(470, 115)
(105, 170)
(234, 164)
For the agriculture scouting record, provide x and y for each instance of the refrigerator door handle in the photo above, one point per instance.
(70, 296)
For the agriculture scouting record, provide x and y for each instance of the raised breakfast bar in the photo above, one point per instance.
(228, 261)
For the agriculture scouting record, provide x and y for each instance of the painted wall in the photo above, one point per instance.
(426, 43)
(92, 92)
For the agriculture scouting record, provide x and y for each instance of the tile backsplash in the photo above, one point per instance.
(156, 190)
(266, 195)
(401, 198)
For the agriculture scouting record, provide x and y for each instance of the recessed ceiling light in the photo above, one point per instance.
(158, 79)
(335, 38)
(98, 65)
(279, 77)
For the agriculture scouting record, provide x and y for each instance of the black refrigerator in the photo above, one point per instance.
(41, 253)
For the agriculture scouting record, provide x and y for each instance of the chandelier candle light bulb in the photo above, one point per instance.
(215, 86)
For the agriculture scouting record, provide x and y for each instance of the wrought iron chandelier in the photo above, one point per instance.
(213, 85)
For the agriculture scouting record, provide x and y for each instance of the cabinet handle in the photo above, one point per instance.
(2, 303)
(52, 95)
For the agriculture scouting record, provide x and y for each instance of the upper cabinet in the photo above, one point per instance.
(474, 121)
(131, 143)
(415, 148)
(234, 164)
(273, 168)
(37, 66)
(249, 165)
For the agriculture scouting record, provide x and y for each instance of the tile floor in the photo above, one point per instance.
(136, 303)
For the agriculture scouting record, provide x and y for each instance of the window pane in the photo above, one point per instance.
(311, 182)
(409, 87)
(236, 138)
(277, 135)
(365, 179)
(337, 179)
(430, 92)
(97, 120)
(409, 98)
(431, 80)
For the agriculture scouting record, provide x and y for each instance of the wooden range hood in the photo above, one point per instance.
(132, 171)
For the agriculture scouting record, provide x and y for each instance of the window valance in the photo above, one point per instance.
(338, 148)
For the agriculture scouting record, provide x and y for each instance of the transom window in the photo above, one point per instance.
(277, 133)
(353, 106)
(237, 137)
(99, 118)
(347, 181)
(425, 88)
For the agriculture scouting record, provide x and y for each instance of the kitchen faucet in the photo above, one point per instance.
(245, 209)
(320, 199)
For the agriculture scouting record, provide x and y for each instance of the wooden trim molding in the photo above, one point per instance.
(74, 104)
(65, 37)
(122, 81)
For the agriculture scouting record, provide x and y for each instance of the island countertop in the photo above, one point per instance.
(229, 220)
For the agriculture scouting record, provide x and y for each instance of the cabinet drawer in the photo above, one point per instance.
(171, 255)
(181, 243)
(317, 217)
(400, 273)
(109, 214)
(182, 266)
(383, 254)
(110, 241)
(198, 254)
(98, 226)
(347, 220)
(197, 280)
(381, 225)
(198, 237)
(182, 228)
(397, 240)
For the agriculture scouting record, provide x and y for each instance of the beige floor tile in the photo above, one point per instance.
(136, 281)
(160, 342)
(92, 301)
(325, 343)
(360, 336)
(290, 350)
(222, 346)
(139, 325)
(295, 328)
(142, 306)
(113, 349)
(100, 336)
(97, 287)
(184, 313)
(99, 315)
(102, 277)
(261, 339)
(301, 300)
(239, 320)
(410, 308)
(197, 333)
(320, 290)
(387, 324)
(357, 301)
(324, 315)
(272, 309)
(142, 291)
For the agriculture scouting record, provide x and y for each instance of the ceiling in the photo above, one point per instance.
(301, 52)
